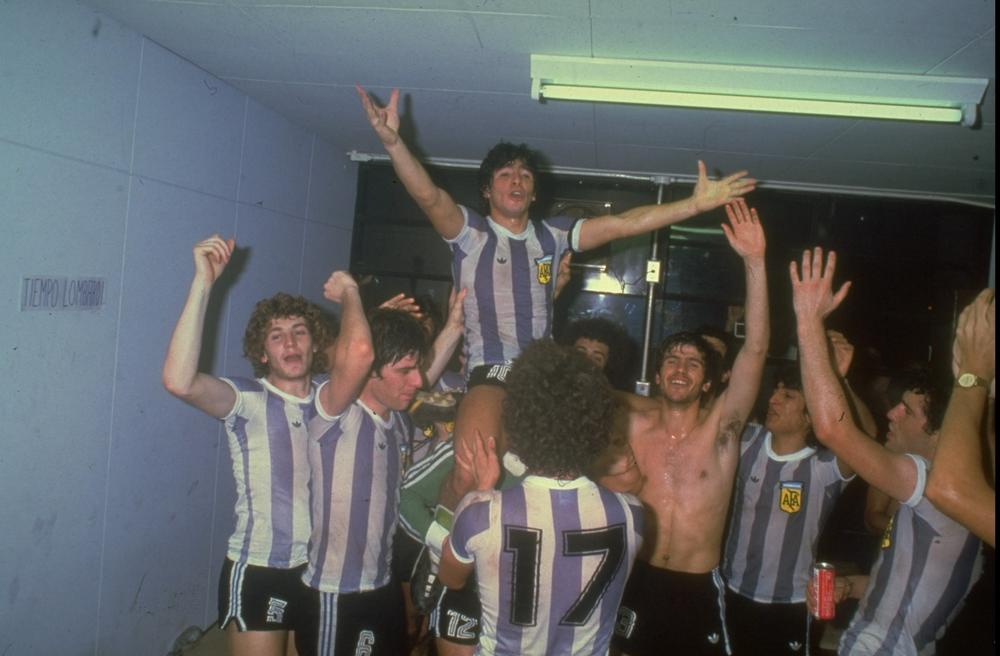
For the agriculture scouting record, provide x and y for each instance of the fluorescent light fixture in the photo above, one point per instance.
(892, 96)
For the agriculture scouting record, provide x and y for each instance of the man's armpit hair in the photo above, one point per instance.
(729, 433)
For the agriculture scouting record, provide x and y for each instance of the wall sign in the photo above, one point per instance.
(59, 293)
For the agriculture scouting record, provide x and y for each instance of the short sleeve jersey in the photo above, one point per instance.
(266, 431)
(780, 504)
(551, 560)
(510, 280)
(927, 565)
(355, 463)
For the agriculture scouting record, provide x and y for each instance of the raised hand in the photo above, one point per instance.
(478, 463)
(843, 352)
(709, 194)
(563, 274)
(337, 285)
(744, 231)
(403, 303)
(384, 120)
(456, 311)
(975, 338)
(211, 257)
(812, 293)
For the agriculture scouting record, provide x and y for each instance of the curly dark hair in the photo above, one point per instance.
(395, 335)
(713, 362)
(620, 346)
(281, 306)
(559, 410)
(921, 380)
(503, 154)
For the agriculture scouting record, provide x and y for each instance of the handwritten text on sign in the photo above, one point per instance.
(54, 293)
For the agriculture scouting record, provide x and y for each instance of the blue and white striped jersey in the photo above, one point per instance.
(927, 565)
(510, 280)
(780, 504)
(267, 438)
(551, 560)
(354, 497)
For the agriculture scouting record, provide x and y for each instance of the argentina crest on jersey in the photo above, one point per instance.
(543, 269)
(790, 496)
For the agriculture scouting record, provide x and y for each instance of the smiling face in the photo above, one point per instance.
(288, 349)
(511, 191)
(786, 412)
(682, 375)
(394, 385)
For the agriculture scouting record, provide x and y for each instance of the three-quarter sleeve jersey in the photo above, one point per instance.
(267, 435)
(551, 560)
(510, 280)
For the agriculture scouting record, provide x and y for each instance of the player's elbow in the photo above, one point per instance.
(176, 385)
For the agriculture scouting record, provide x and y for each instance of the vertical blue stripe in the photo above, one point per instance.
(393, 478)
(279, 444)
(615, 513)
(486, 303)
(360, 499)
(521, 272)
(513, 512)
(328, 460)
(792, 537)
(567, 571)
(958, 585)
(548, 244)
(747, 466)
(769, 492)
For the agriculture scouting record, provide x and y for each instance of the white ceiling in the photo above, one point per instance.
(463, 66)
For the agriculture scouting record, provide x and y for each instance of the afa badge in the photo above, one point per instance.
(790, 499)
(543, 269)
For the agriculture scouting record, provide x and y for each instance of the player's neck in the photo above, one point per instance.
(297, 387)
(372, 403)
(785, 443)
(515, 224)
(679, 417)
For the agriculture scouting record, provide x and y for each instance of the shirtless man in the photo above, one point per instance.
(687, 452)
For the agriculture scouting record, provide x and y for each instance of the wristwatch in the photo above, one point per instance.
(968, 380)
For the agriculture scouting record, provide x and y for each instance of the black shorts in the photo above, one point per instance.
(662, 608)
(766, 628)
(456, 616)
(489, 374)
(405, 551)
(370, 622)
(262, 598)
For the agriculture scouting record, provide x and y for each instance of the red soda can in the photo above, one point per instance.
(823, 575)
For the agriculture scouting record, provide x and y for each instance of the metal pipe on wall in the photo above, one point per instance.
(642, 385)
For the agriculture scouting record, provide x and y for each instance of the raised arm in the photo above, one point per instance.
(180, 368)
(957, 484)
(708, 194)
(833, 423)
(444, 213)
(842, 352)
(446, 340)
(353, 353)
(746, 236)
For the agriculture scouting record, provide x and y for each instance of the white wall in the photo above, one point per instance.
(115, 157)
